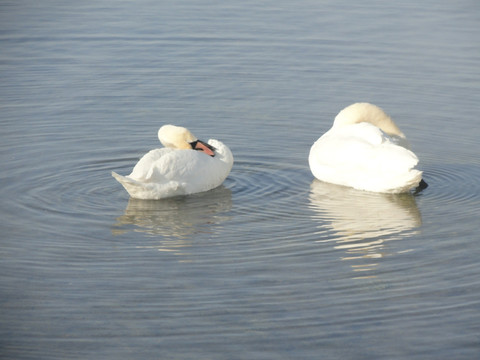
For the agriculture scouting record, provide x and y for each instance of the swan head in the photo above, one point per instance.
(177, 137)
(366, 112)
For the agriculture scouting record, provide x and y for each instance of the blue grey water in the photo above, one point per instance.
(273, 264)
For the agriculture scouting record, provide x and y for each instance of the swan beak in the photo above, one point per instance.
(204, 147)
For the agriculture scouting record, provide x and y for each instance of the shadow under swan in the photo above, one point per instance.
(176, 221)
(363, 222)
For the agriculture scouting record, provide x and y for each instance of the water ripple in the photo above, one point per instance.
(265, 188)
(453, 183)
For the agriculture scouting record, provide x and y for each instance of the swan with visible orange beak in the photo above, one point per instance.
(186, 165)
(177, 137)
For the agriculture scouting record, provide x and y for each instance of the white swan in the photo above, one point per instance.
(365, 150)
(184, 166)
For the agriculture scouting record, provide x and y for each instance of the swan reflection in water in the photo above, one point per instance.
(363, 222)
(175, 221)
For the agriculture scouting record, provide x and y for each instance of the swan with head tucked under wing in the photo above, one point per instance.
(184, 166)
(365, 150)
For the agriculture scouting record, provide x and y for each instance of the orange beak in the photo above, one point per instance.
(204, 147)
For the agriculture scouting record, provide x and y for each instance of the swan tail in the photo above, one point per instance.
(149, 191)
(132, 186)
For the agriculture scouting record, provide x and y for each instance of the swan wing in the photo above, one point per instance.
(364, 157)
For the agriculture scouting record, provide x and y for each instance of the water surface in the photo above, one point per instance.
(273, 264)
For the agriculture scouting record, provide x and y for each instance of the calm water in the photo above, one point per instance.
(273, 264)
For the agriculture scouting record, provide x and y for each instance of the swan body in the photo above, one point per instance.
(365, 150)
(184, 166)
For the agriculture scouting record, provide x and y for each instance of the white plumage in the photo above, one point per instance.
(180, 168)
(365, 150)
